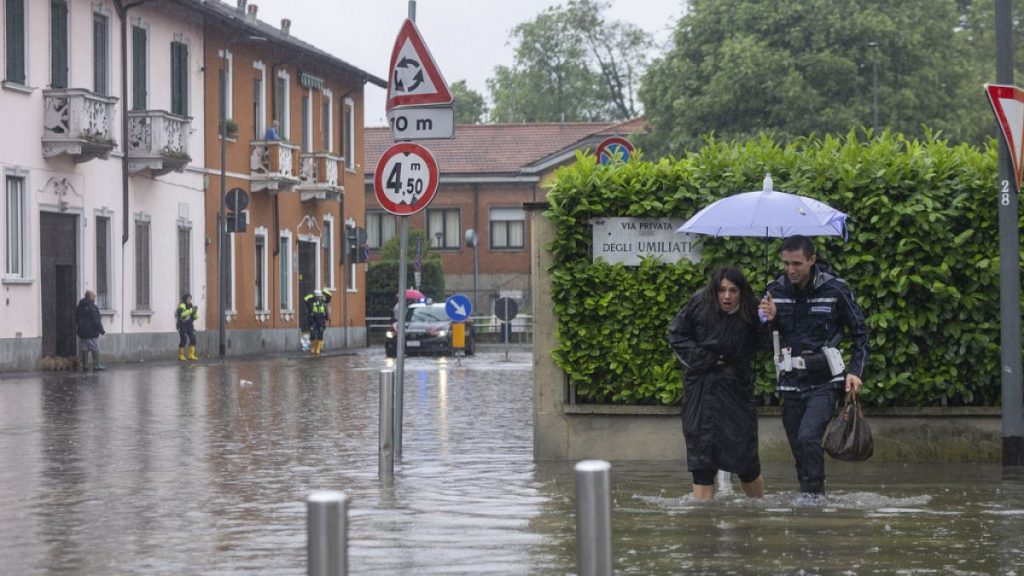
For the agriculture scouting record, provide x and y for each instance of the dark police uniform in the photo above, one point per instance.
(185, 316)
(808, 320)
(317, 307)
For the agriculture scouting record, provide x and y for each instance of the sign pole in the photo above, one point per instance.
(403, 259)
(1009, 263)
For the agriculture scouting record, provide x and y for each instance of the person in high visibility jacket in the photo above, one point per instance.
(186, 317)
(316, 305)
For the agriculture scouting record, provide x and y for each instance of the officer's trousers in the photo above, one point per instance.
(805, 416)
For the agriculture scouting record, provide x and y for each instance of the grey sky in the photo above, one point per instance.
(467, 38)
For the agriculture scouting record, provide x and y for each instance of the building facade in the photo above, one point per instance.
(488, 172)
(112, 176)
(292, 116)
(103, 179)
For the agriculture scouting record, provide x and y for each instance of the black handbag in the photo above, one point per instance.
(848, 436)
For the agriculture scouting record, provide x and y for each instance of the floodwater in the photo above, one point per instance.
(204, 469)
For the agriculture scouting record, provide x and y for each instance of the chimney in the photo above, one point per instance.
(286, 26)
(241, 5)
(251, 13)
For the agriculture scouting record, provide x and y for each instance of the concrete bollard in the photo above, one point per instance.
(593, 518)
(386, 426)
(327, 533)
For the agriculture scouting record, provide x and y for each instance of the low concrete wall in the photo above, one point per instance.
(23, 354)
(564, 431)
(901, 435)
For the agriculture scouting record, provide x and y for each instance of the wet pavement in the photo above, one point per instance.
(204, 469)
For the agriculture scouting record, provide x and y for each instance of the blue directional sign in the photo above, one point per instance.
(458, 307)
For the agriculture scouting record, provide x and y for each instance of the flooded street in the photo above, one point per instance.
(204, 469)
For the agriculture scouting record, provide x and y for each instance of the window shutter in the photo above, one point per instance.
(179, 78)
(99, 54)
(15, 32)
(139, 54)
(59, 43)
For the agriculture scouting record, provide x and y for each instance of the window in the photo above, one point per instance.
(282, 103)
(14, 209)
(380, 227)
(184, 260)
(261, 270)
(286, 272)
(348, 138)
(327, 243)
(326, 122)
(307, 122)
(103, 297)
(58, 44)
(443, 228)
(14, 32)
(179, 78)
(140, 67)
(224, 75)
(508, 227)
(142, 295)
(257, 109)
(228, 272)
(100, 54)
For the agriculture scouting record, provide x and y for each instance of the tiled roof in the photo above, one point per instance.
(231, 14)
(501, 148)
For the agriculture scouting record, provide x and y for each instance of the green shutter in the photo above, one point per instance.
(58, 44)
(179, 78)
(139, 53)
(15, 33)
(100, 56)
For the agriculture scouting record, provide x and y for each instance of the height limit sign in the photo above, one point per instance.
(405, 180)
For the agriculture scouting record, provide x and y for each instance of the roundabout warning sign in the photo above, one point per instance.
(405, 180)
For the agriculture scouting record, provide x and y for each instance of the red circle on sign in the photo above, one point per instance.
(605, 154)
(411, 179)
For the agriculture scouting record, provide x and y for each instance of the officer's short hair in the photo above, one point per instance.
(798, 242)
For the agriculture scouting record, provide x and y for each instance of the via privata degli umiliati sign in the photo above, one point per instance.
(627, 241)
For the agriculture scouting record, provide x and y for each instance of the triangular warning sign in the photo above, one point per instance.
(1008, 104)
(414, 78)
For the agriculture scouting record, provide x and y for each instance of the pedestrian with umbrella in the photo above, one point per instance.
(808, 309)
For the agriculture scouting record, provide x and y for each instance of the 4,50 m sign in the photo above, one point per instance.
(405, 180)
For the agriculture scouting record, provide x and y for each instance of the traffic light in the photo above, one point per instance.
(358, 252)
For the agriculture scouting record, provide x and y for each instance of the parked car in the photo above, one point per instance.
(428, 330)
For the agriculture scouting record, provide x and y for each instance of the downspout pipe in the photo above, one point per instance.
(122, 14)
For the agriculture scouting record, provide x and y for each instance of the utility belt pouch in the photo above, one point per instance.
(834, 359)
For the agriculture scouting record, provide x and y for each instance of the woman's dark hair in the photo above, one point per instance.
(748, 301)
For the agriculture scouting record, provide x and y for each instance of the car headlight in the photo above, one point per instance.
(442, 333)
(389, 334)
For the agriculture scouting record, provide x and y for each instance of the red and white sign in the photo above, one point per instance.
(415, 78)
(405, 180)
(1008, 104)
(614, 148)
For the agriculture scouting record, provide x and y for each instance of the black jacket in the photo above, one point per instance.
(719, 408)
(87, 319)
(815, 317)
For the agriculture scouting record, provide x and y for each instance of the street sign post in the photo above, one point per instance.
(458, 307)
(614, 148)
(506, 310)
(405, 180)
(422, 122)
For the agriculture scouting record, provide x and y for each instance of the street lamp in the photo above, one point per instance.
(222, 221)
(472, 240)
(874, 85)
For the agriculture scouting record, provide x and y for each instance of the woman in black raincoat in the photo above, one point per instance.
(716, 336)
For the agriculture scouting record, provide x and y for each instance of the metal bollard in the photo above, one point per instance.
(386, 426)
(327, 533)
(593, 518)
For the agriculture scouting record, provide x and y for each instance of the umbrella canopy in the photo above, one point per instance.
(767, 214)
(414, 295)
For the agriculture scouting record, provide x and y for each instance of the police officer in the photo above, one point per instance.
(811, 308)
(186, 317)
(316, 305)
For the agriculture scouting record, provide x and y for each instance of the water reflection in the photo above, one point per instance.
(204, 469)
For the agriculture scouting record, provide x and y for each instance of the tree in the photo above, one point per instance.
(571, 65)
(469, 104)
(797, 67)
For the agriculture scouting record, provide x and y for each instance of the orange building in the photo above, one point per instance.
(292, 116)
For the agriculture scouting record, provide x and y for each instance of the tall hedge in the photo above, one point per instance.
(922, 259)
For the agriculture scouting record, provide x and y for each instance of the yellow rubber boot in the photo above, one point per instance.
(192, 353)
(318, 346)
(181, 353)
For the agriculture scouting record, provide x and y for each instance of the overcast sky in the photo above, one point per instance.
(467, 38)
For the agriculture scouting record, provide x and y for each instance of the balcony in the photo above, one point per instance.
(318, 176)
(272, 166)
(78, 123)
(157, 141)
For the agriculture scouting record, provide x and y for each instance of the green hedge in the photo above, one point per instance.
(922, 258)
